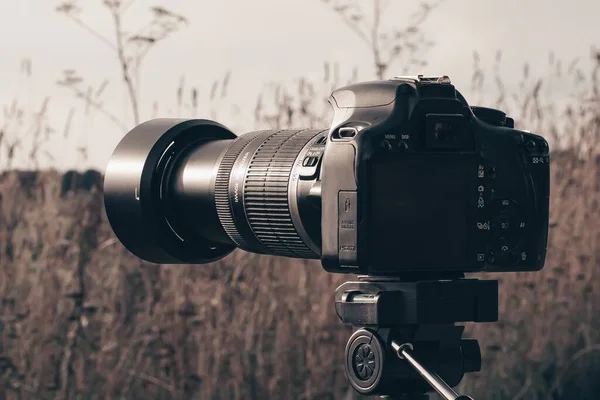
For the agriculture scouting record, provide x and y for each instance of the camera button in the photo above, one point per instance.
(530, 146)
(347, 132)
(491, 257)
(385, 145)
(515, 258)
(402, 145)
(503, 245)
(310, 161)
(505, 224)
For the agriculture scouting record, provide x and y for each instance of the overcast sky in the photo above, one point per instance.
(262, 40)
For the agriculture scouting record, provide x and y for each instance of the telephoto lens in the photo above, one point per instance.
(191, 191)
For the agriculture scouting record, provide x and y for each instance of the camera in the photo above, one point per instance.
(408, 179)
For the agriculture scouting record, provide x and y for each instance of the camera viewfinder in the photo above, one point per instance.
(447, 132)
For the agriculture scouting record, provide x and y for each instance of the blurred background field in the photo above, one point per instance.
(81, 318)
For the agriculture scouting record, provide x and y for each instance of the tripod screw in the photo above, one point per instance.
(364, 361)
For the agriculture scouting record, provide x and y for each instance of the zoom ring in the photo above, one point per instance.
(222, 200)
(266, 197)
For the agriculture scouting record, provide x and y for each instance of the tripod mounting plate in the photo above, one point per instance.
(388, 303)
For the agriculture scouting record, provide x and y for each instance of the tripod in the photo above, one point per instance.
(399, 322)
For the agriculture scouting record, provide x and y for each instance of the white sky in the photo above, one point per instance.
(264, 40)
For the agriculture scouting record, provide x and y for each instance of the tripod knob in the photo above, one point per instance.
(365, 357)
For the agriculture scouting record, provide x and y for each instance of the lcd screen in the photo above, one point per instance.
(421, 211)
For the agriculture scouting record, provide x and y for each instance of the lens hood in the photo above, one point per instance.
(133, 196)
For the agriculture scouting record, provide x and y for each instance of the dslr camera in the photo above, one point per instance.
(408, 179)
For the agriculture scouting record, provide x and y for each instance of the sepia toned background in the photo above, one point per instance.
(81, 318)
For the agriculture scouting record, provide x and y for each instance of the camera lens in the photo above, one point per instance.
(190, 191)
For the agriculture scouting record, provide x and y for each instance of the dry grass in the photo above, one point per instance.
(82, 318)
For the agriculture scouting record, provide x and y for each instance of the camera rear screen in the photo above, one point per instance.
(422, 212)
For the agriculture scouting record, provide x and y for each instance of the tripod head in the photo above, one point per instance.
(399, 321)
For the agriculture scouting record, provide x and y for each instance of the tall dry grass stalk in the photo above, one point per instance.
(24, 126)
(400, 45)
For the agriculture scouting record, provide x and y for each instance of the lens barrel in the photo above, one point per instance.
(190, 191)
(253, 204)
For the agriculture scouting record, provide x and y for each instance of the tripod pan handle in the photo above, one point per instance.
(404, 352)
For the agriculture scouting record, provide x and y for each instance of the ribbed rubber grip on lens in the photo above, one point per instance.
(222, 201)
(266, 193)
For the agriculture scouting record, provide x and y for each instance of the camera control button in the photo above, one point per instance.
(491, 257)
(505, 223)
(310, 161)
(514, 258)
(503, 245)
(402, 145)
(347, 132)
(503, 205)
(385, 145)
(530, 146)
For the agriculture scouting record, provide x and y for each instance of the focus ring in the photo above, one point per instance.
(222, 199)
(266, 193)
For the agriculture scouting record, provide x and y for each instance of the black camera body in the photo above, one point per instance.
(408, 179)
(415, 180)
